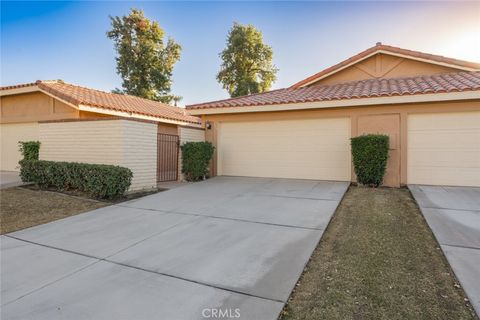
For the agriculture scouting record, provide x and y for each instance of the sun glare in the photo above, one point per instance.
(463, 45)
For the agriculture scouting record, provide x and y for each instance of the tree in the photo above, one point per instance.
(247, 62)
(144, 61)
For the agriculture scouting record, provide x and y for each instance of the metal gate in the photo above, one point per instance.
(167, 157)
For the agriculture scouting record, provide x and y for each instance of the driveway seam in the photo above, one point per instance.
(54, 281)
(149, 237)
(233, 219)
(459, 246)
(452, 209)
(193, 281)
(127, 266)
(293, 197)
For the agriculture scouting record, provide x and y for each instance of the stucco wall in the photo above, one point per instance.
(140, 152)
(386, 66)
(131, 144)
(188, 135)
(34, 106)
(10, 135)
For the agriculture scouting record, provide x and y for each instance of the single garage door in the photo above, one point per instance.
(10, 135)
(303, 149)
(444, 149)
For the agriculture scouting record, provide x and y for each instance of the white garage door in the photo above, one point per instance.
(302, 149)
(444, 149)
(10, 135)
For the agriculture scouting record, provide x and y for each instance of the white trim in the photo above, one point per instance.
(432, 97)
(454, 66)
(444, 64)
(28, 89)
(134, 115)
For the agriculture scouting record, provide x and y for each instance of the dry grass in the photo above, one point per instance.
(378, 260)
(21, 208)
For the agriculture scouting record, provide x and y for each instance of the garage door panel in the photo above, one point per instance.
(448, 176)
(304, 149)
(444, 149)
(444, 121)
(455, 139)
(445, 158)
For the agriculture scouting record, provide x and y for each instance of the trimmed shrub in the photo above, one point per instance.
(96, 180)
(370, 155)
(195, 159)
(29, 149)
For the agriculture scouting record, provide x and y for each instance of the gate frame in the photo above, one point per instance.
(162, 150)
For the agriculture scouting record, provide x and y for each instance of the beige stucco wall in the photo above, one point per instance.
(126, 143)
(34, 106)
(354, 113)
(386, 66)
(10, 135)
(140, 152)
(187, 134)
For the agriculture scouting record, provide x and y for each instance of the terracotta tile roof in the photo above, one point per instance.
(77, 95)
(381, 47)
(22, 85)
(437, 83)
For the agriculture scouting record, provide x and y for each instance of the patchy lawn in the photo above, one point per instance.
(21, 208)
(378, 260)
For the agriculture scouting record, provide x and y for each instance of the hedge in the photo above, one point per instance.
(370, 155)
(29, 149)
(97, 180)
(195, 159)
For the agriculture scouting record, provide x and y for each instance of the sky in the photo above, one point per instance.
(67, 40)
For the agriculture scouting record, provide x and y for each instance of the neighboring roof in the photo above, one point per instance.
(81, 96)
(437, 83)
(381, 48)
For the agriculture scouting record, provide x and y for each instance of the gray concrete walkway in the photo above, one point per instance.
(453, 214)
(225, 245)
(9, 179)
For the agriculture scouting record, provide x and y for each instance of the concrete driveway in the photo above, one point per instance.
(9, 179)
(226, 246)
(453, 214)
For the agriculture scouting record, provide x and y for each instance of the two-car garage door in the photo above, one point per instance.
(302, 149)
(444, 149)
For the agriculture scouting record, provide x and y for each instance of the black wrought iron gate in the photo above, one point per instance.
(167, 157)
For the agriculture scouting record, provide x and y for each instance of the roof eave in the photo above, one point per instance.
(125, 114)
(418, 98)
(19, 90)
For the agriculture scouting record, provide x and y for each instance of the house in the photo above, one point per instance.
(80, 124)
(428, 105)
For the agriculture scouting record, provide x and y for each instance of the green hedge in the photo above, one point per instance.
(370, 155)
(29, 149)
(195, 159)
(97, 180)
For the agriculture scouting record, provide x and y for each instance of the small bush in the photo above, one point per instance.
(195, 159)
(370, 155)
(97, 180)
(29, 149)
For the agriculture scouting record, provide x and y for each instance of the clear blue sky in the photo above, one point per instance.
(66, 40)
